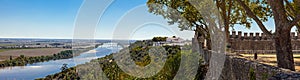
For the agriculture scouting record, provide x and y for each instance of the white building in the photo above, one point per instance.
(174, 40)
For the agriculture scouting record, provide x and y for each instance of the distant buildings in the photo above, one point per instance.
(172, 41)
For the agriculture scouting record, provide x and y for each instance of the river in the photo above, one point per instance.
(42, 69)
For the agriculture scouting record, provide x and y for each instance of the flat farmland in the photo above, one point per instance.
(6, 53)
(270, 59)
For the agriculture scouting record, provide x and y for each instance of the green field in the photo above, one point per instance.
(6, 53)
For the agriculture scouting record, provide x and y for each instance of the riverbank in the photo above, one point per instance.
(31, 58)
(107, 68)
(23, 60)
(42, 69)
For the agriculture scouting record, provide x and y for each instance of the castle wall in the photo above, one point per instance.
(236, 68)
(258, 42)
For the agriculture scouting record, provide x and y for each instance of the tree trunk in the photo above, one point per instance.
(201, 36)
(227, 33)
(282, 36)
(195, 43)
(284, 49)
(208, 44)
(226, 17)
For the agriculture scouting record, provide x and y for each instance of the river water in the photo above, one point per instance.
(42, 69)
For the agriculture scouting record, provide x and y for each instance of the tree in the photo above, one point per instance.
(22, 56)
(231, 15)
(174, 37)
(64, 67)
(285, 16)
(10, 58)
(158, 39)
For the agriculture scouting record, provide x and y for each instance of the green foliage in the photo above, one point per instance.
(68, 74)
(185, 10)
(23, 60)
(265, 76)
(252, 74)
(158, 39)
(64, 67)
(178, 11)
(90, 70)
(22, 56)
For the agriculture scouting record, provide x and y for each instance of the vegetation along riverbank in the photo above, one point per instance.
(100, 68)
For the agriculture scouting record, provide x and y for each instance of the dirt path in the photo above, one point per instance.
(270, 59)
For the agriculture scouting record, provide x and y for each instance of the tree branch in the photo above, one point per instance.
(254, 17)
(295, 21)
(297, 25)
(229, 10)
(297, 4)
(291, 13)
(290, 6)
(218, 4)
(201, 30)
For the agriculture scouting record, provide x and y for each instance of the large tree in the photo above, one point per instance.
(286, 15)
(230, 12)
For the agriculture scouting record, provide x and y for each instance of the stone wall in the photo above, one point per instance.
(249, 43)
(236, 68)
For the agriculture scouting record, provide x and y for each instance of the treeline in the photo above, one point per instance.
(23, 60)
(158, 39)
(68, 74)
(139, 53)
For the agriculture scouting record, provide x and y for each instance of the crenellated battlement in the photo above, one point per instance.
(257, 36)
(258, 42)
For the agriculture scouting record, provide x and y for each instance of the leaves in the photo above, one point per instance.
(187, 17)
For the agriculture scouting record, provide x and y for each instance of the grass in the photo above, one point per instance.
(2, 50)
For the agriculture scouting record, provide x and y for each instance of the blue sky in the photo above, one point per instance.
(55, 19)
(38, 18)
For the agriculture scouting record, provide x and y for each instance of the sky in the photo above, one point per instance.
(56, 19)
